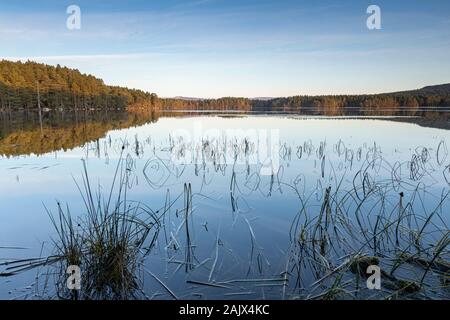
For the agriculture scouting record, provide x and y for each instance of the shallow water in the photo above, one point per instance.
(250, 177)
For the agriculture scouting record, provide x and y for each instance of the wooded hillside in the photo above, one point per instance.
(63, 88)
(60, 87)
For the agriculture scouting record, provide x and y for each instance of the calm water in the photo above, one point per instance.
(256, 182)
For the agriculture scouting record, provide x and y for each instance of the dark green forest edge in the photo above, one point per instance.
(76, 108)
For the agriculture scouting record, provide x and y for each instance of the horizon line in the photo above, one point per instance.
(58, 58)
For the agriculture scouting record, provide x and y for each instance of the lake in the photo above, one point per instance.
(234, 206)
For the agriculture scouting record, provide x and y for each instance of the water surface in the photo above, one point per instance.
(248, 204)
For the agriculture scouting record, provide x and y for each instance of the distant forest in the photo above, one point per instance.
(66, 89)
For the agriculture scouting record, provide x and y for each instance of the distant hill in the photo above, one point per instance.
(187, 98)
(437, 90)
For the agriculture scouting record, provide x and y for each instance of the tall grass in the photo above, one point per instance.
(108, 241)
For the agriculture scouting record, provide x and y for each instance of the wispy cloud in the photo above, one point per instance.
(88, 57)
(237, 47)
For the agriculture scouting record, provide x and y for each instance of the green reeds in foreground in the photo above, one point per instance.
(377, 231)
(105, 242)
(107, 245)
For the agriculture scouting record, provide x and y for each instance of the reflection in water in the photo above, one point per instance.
(341, 199)
(22, 135)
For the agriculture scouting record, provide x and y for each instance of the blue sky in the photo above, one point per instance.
(214, 48)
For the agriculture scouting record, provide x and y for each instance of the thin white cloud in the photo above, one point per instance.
(89, 57)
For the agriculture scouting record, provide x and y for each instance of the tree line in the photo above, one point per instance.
(64, 88)
(411, 103)
(60, 88)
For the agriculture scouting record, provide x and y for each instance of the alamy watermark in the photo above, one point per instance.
(374, 280)
(73, 21)
(374, 19)
(246, 146)
(74, 278)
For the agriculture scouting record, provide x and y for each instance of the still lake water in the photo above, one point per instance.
(256, 180)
